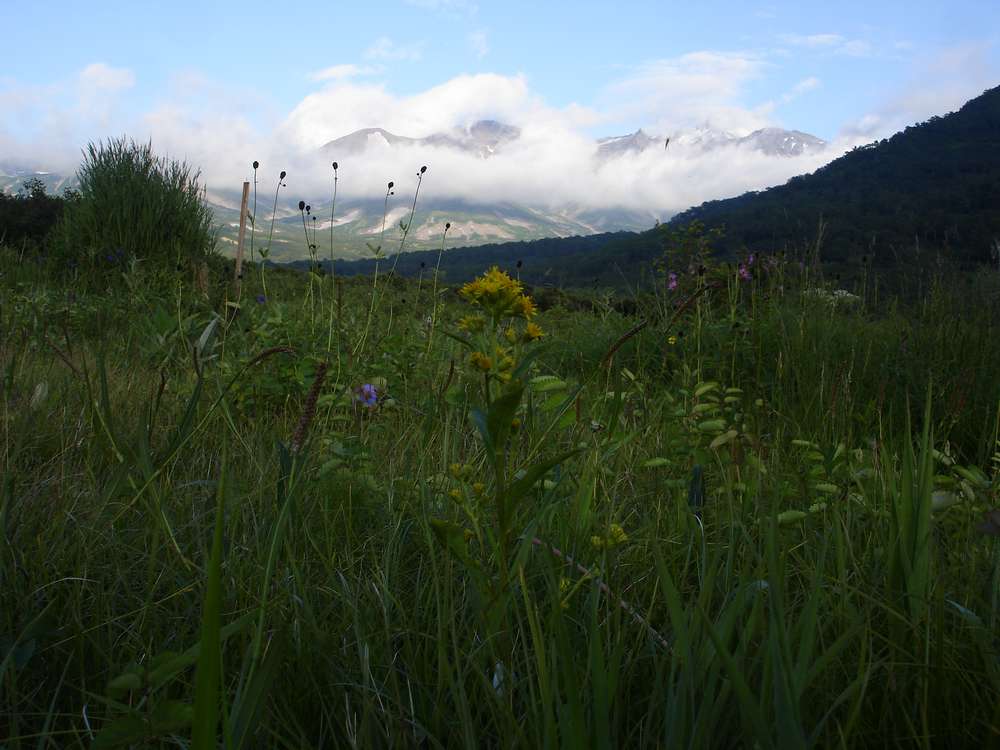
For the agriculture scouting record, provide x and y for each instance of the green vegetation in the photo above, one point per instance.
(934, 186)
(27, 216)
(744, 509)
(135, 204)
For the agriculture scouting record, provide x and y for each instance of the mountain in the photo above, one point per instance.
(636, 142)
(359, 223)
(483, 138)
(770, 141)
(934, 187)
(13, 175)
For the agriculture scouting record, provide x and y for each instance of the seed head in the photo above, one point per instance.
(256, 164)
(423, 169)
(335, 166)
(282, 175)
(447, 226)
(308, 410)
(391, 183)
(302, 205)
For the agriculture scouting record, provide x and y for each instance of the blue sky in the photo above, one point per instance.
(211, 80)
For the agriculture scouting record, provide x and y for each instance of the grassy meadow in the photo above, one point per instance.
(750, 511)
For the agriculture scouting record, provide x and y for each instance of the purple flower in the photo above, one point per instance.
(261, 299)
(672, 281)
(368, 395)
(750, 260)
(745, 272)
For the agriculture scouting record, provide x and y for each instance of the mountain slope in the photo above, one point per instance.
(935, 184)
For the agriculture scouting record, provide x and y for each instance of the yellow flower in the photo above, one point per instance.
(672, 340)
(499, 294)
(510, 334)
(565, 587)
(472, 323)
(456, 494)
(617, 535)
(481, 361)
(479, 488)
(524, 307)
(532, 332)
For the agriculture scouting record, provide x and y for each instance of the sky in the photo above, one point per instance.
(222, 83)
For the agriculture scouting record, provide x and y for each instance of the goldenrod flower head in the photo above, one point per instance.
(455, 470)
(456, 494)
(672, 340)
(524, 307)
(499, 294)
(510, 334)
(565, 586)
(481, 361)
(532, 332)
(615, 537)
(479, 488)
(472, 323)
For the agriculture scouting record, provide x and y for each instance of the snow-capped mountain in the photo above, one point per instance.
(770, 141)
(484, 138)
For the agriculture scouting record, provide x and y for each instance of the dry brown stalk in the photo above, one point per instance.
(309, 410)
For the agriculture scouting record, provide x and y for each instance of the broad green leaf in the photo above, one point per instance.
(723, 439)
(791, 516)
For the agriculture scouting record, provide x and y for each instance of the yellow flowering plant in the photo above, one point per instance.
(501, 337)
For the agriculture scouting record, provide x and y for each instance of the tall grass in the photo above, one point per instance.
(182, 564)
(134, 204)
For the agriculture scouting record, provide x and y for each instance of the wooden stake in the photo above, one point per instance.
(238, 280)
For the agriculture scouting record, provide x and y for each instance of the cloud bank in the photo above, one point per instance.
(553, 164)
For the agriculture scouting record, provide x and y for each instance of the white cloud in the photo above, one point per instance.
(341, 72)
(833, 43)
(385, 48)
(940, 84)
(554, 163)
(98, 87)
(813, 40)
(802, 87)
(100, 77)
(694, 89)
(348, 106)
(479, 43)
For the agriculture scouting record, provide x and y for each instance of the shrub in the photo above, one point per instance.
(133, 203)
